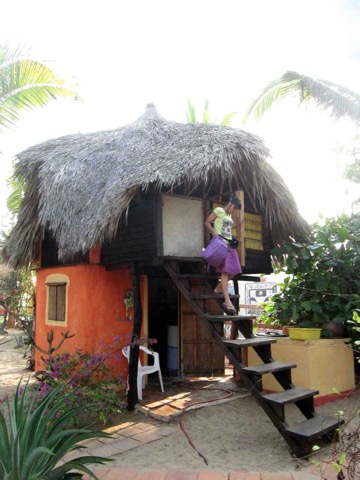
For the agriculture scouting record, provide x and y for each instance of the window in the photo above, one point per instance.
(57, 289)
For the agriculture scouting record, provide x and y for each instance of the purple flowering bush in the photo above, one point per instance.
(88, 377)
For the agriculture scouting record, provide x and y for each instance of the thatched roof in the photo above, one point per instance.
(79, 186)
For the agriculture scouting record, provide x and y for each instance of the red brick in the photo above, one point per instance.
(153, 475)
(303, 475)
(275, 476)
(209, 475)
(244, 476)
(173, 475)
(119, 473)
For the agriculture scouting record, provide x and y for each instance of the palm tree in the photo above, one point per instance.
(192, 118)
(339, 100)
(26, 84)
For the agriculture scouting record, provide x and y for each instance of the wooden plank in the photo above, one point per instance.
(269, 368)
(232, 318)
(249, 342)
(290, 396)
(201, 353)
(314, 427)
(208, 296)
(60, 302)
(51, 302)
(199, 275)
(240, 227)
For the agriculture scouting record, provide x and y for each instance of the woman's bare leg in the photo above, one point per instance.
(218, 288)
(225, 289)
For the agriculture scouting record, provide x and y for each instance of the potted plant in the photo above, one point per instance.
(282, 310)
(323, 285)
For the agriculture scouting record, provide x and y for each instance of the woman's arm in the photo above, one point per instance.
(211, 219)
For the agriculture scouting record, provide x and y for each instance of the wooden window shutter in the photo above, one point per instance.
(60, 303)
(254, 231)
(239, 227)
(57, 301)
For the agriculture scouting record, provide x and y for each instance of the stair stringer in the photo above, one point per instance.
(233, 351)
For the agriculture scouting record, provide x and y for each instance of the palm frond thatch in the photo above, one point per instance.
(335, 98)
(79, 186)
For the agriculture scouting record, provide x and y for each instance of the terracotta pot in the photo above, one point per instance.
(336, 329)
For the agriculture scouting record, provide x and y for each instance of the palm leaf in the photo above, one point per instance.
(227, 120)
(340, 101)
(17, 187)
(190, 111)
(26, 84)
(205, 116)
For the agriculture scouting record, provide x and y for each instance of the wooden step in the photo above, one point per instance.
(200, 276)
(249, 342)
(314, 427)
(228, 318)
(269, 368)
(208, 296)
(182, 259)
(289, 396)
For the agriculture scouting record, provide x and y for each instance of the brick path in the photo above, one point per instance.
(105, 473)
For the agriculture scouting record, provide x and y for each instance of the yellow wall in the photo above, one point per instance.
(322, 364)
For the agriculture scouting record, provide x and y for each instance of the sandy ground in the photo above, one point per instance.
(233, 436)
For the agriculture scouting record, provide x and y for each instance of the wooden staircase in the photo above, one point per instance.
(197, 287)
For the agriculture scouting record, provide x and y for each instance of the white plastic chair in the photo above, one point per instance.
(145, 369)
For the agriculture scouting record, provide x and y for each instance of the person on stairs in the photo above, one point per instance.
(220, 222)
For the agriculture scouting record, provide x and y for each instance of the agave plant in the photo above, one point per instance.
(35, 438)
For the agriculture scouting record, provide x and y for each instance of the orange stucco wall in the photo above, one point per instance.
(96, 310)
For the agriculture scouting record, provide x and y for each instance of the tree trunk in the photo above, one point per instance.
(2, 327)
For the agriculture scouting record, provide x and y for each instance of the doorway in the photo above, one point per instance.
(163, 322)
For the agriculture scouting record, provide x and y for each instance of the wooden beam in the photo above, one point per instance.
(134, 350)
(239, 216)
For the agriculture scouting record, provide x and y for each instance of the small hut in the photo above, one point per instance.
(98, 207)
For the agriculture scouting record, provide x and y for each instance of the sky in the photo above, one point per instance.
(125, 54)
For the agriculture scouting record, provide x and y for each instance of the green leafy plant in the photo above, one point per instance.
(16, 289)
(324, 276)
(36, 437)
(354, 334)
(344, 455)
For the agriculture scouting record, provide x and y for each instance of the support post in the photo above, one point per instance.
(134, 349)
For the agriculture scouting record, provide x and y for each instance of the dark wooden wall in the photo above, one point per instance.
(257, 262)
(49, 254)
(137, 239)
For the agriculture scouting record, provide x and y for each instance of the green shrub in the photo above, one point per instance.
(324, 276)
